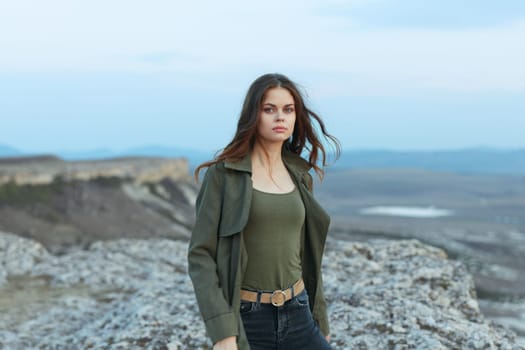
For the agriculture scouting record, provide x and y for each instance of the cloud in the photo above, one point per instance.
(207, 38)
(478, 60)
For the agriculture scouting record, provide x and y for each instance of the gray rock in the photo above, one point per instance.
(18, 256)
(135, 294)
(404, 295)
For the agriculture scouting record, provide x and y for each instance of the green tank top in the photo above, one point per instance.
(272, 238)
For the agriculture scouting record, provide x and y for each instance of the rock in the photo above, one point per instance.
(135, 294)
(19, 255)
(404, 295)
(43, 170)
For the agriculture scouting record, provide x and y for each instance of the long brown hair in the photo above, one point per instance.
(304, 135)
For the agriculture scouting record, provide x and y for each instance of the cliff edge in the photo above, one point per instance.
(67, 205)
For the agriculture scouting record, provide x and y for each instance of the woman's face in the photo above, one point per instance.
(276, 116)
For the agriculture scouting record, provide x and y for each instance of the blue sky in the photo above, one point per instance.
(77, 75)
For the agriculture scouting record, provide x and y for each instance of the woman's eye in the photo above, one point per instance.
(268, 110)
(288, 110)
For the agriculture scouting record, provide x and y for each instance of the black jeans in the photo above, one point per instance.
(288, 327)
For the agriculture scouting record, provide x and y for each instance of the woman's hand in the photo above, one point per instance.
(328, 338)
(229, 343)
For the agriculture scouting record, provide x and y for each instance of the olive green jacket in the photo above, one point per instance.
(217, 256)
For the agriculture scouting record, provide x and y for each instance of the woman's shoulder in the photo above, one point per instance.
(229, 168)
(213, 170)
(216, 170)
(217, 167)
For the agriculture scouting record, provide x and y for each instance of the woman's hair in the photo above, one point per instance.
(304, 134)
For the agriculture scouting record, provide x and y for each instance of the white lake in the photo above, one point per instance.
(413, 212)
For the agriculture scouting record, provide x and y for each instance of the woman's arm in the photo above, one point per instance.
(229, 343)
(216, 312)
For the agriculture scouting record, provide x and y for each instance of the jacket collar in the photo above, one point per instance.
(245, 164)
(293, 162)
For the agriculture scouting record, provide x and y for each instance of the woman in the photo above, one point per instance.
(256, 247)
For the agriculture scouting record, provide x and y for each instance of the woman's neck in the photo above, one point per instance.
(269, 173)
(267, 155)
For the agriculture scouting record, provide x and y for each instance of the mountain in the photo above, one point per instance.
(195, 157)
(479, 160)
(8, 151)
(96, 153)
(470, 160)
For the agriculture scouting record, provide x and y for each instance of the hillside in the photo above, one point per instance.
(69, 205)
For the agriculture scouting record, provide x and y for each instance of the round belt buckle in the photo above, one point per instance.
(280, 298)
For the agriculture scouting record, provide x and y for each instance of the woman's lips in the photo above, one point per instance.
(279, 129)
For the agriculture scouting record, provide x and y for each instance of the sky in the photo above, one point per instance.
(383, 74)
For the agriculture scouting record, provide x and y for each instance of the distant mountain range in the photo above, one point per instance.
(6, 151)
(195, 157)
(469, 160)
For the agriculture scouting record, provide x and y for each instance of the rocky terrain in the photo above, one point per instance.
(87, 222)
(135, 294)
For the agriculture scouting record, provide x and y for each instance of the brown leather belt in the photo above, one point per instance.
(277, 297)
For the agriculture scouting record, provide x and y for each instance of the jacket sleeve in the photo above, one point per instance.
(320, 314)
(218, 316)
